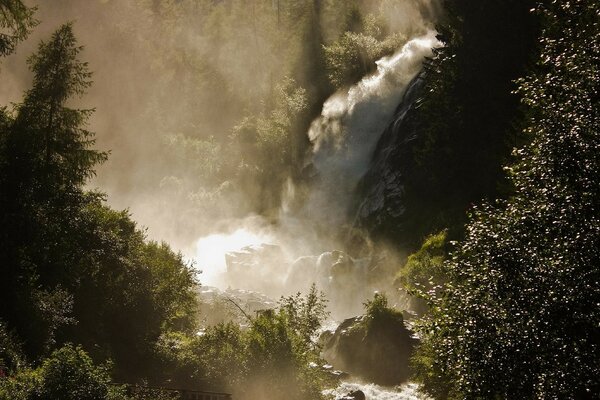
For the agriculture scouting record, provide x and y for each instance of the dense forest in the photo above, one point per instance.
(423, 175)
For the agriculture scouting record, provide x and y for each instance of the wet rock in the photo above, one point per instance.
(324, 338)
(218, 306)
(302, 274)
(344, 279)
(257, 267)
(354, 395)
(383, 209)
(332, 268)
(248, 257)
(377, 352)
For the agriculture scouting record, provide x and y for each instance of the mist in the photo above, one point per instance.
(298, 199)
(173, 83)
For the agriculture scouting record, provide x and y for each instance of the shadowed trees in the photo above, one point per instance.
(519, 314)
(72, 268)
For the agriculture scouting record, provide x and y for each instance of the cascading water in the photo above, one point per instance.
(344, 138)
(351, 123)
(375, 392)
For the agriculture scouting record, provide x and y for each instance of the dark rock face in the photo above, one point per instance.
(381, 190)
(379, 353)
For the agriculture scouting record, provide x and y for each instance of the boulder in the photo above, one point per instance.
(260, 268)
(379, 352)
(354, 395)
(302, 274)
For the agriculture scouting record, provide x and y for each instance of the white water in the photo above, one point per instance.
(210, 251)
(375, 392)
(344, 139)
(352, 121)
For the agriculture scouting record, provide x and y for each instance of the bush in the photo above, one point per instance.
(424, 268)
(378, 313)
(11, 355)
(353, 55)
(68, 374)
(272, 358)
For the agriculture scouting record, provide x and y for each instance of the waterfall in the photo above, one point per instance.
(346, 133)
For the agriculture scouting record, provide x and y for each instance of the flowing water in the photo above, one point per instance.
(344, 138)
(375, 392)
(352, 121)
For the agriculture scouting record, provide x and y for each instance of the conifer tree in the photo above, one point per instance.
(16, 21)
(45, 161)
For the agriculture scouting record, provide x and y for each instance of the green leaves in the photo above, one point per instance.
(271, 358)
(68, 374)
(519, 317)
(73, 269)
(353, 55)
(58, 145)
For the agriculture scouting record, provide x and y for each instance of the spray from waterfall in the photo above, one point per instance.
(345, 135)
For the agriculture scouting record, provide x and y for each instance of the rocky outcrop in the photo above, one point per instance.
(261, 268)
(216, 306)
(378, 352)
(249, 257)
(344, 279)
(383, 208)
(354, 395)
(328, 270)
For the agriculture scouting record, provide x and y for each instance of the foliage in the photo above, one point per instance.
(354, 54)
(519, 316)
(201, 158)
(127, 292)
(11, 355)
(379, 314)
(68, 373)
(73, 269)
(425, 268)
(305, 315)
(46, 158)
(217, 73)
(267, 146)
(16, 22)
(281, 348)
(269, 359)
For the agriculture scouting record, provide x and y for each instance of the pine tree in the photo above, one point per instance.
(16, 21)
(46, 159)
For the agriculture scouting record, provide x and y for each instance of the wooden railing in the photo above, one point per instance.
(175, 394)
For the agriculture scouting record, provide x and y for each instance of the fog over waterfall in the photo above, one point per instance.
(299, 199)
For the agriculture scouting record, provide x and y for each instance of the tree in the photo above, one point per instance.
(16, 21)
(270, 358)
(519, 317)
(305, 315)
(59, 148)
(69, 373)
(465, 103)
(353, 55)
(46, 159)
(73, 269)
(126, 292)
